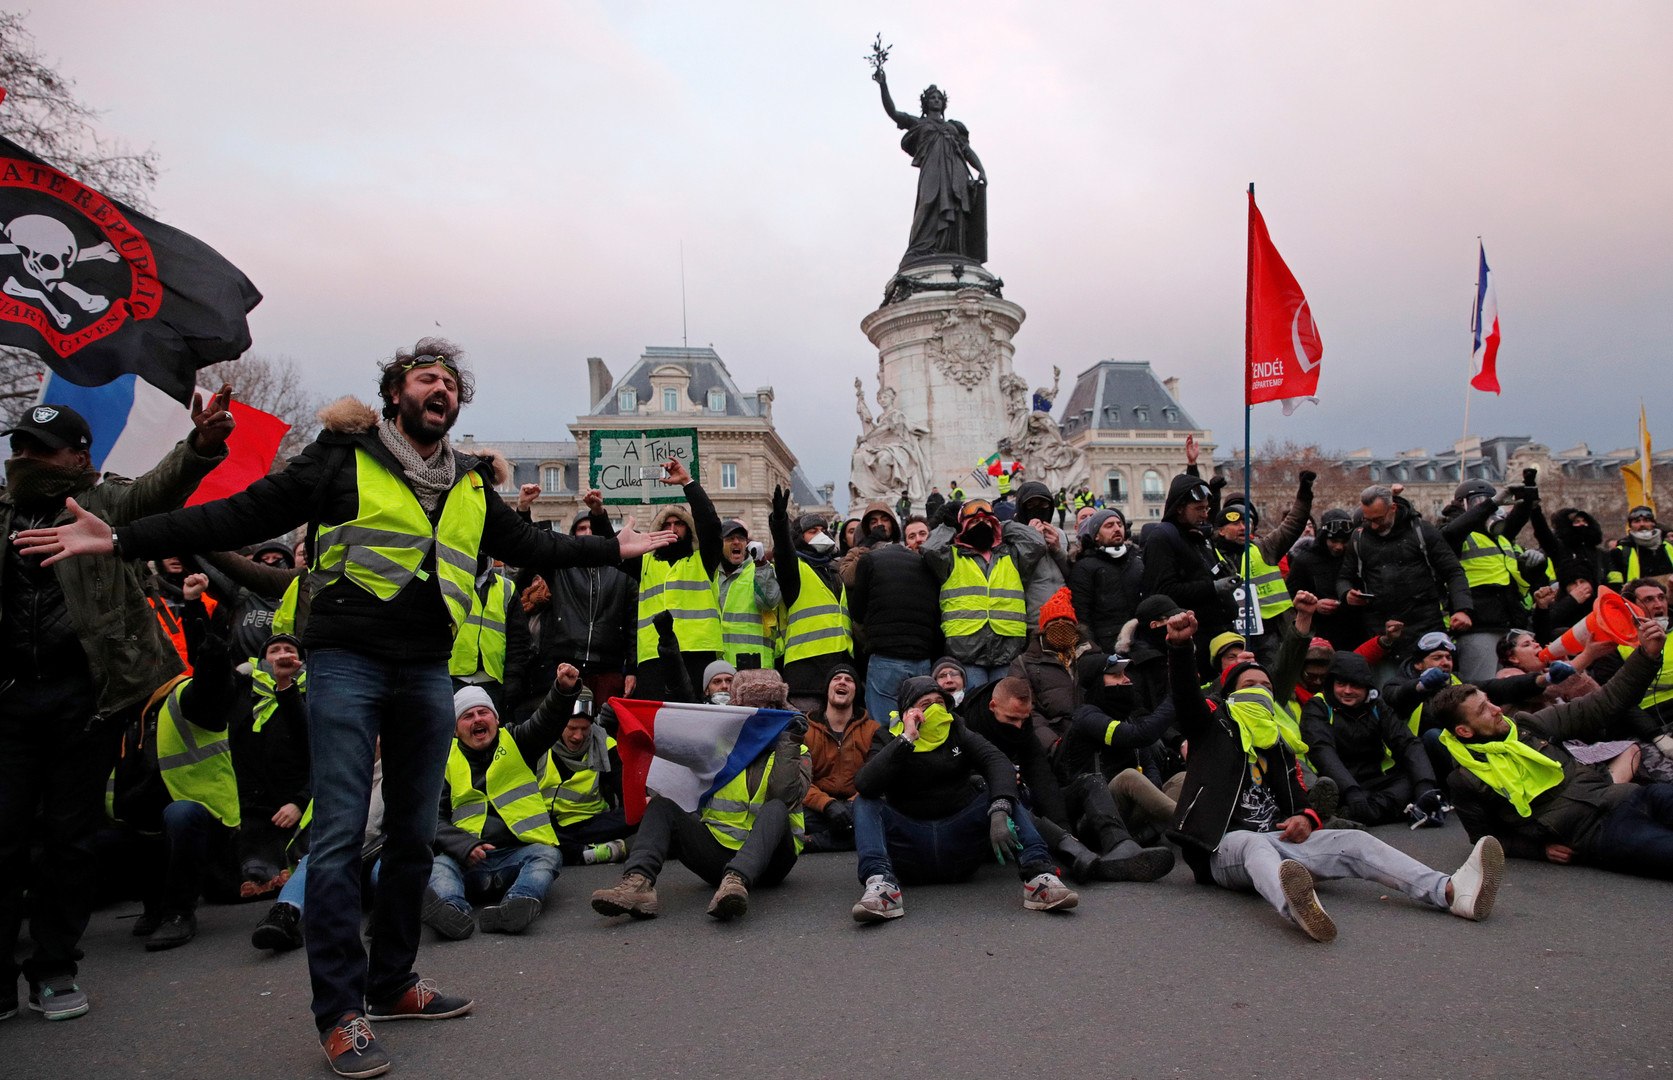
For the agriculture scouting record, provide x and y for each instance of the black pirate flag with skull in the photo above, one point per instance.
(98, 290)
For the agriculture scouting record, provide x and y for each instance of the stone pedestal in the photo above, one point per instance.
(943, 339)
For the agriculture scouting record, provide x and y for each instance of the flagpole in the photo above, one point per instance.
(1248, 407)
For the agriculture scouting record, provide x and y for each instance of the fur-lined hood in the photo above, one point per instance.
(350, 416)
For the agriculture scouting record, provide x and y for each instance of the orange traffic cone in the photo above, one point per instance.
(1614, 619)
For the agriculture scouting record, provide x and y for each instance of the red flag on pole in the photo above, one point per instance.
(1282, 347)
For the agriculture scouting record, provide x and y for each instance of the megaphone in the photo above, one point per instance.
(1614, 619)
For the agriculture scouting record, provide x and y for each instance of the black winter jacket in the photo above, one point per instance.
(1349, 744)
(1314, 569)
(937, 783)
(319, 487)
(1106, 591)
(1411, 574)
(896, 602)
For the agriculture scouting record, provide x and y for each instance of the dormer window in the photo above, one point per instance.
(717, 400)
(1142, 414)
(670, 399)
(627, 400)
(1170, 414)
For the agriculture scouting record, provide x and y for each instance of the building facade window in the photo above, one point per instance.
(1153, 490)
(551, 478)
(670, 399)
(729, 476)
(717, 400)
(627, 399)
(1115, 486)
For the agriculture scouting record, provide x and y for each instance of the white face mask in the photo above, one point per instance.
(821, 543)
(1115, 552)
(720, 697)
(958, 697)
(1661, 621)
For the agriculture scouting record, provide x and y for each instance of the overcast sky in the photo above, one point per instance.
(524, 174)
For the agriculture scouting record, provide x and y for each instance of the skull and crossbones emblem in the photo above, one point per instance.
(49, 249)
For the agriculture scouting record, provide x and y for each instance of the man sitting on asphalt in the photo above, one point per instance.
(1378, 765)
(582, 786)
(747, 835)
(841, 737)
(495, 839)
(1245, 821)
(924, 813)
(1517, 781)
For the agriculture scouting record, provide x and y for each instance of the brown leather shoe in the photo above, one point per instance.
(634, 895)
(731, 899)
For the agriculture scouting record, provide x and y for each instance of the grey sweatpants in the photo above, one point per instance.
(1249, 860)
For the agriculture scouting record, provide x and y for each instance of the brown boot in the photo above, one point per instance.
(731, 899)
(634, 895)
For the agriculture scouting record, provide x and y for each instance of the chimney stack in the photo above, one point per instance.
(599, 381)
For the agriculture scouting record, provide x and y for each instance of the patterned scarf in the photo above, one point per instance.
(431, 479)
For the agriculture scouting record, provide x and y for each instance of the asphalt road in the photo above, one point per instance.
(1569, 978)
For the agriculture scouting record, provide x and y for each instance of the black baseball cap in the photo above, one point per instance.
(57, 426)
(732, 525)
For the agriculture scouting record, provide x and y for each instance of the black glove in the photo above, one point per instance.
(1002, 834)
(1307, 478)
(839, 814)
(781, 502)
(1226, 586)
(949, 513)
(1216, 483)
(664, 623)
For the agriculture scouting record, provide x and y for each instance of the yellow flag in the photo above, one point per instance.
(1637, 477)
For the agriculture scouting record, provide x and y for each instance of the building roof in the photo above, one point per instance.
(1123, 395)
(705, 370)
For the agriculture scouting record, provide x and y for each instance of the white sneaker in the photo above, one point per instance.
(1045, 892)
(1476, 883)
(1306, 911)
(880, 901)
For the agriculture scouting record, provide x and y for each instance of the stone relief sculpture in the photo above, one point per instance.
(963, 346)
(888, 455)
(1035, 438)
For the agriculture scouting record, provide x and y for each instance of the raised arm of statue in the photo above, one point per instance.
(901, 119)
(861, 407)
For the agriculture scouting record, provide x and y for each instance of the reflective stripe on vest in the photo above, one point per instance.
(1487, 560)
(817, 623)
(265, 700)
(284, 617)
(730, 813)
(512, 788)
(1633, 573)
(1268, 580)
(970, 600)
(384, 546)
(743, 627)
(577, 799)
(685, 590)
(196, 764)
(480, 643)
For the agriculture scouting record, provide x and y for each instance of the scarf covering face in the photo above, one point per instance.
(1508, 765)
(933, 731)
(1260, 722)
(594, 753)
(31, 481)
(431, 479)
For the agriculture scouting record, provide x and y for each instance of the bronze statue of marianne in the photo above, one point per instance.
(950, 219)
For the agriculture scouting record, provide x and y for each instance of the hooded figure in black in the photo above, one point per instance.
(1179, 559)
(1035, 507)
(1355, 739)
(1314, 567)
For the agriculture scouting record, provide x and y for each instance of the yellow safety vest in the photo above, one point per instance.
(1084, 499)
(971, 600)
(266, 699)
(1662, 688)
(284, 617)
(196, 763)
(685, 590)
(1614, 576)
(1487, 560)
(512, 788)
(730, 812)
(1004, 484)
(817, 623)
(743, 627)
(577, 799)
(384, 546)
(1268, 581)
(480, 643)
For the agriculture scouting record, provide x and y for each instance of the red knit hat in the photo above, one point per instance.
(1058, 607)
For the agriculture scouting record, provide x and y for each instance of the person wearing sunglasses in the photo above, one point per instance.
(1234, 526)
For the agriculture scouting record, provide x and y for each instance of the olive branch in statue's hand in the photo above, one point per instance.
(879, 56)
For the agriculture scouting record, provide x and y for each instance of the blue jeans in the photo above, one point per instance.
(975, 675)
(1637, 836)
(883, 676)
(188, 828)
(353, 701)
(950, 849)
(525, 870)
(295, 886)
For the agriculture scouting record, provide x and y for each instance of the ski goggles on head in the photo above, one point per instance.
(1198, 492)
(1337, 530)
(1642, 515)
(974, 507)
(1513, 636)
(425, 360)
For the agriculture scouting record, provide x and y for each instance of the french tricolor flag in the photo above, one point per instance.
(1485, 325)
(134, 424)
(687, 752)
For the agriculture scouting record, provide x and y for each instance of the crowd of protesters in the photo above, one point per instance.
(367, 685)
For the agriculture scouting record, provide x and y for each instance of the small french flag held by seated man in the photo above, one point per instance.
(134, 424)
(687, 752)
